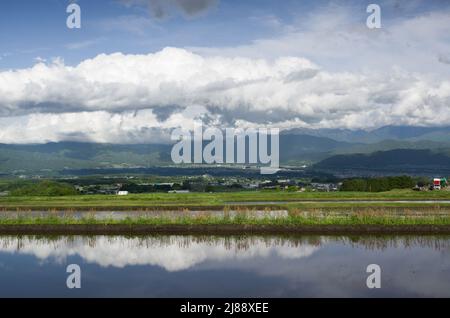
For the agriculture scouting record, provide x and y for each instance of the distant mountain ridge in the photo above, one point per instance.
(409, 161)
(412, 133)
(323, 147)
(74, 155)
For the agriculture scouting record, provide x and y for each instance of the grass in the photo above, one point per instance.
(315, 212)
(292, 220)
(244, 216)
(216, 200)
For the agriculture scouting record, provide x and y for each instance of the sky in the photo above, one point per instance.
(137, 69)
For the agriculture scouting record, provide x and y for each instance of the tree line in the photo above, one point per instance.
(378, 184)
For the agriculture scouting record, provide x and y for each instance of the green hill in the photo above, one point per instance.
(397, 161)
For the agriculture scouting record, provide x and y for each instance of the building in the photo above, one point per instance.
(439, 183)
(325, 187)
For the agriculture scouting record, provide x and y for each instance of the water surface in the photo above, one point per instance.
(210, 266)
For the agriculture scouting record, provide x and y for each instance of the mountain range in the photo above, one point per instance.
(389, 149)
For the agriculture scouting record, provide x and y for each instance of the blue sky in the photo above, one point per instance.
(37, 28)
(33, 28)
(139, 68)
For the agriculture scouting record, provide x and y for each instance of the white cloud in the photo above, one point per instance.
(127, 82)
(324, 72)
(142, 126)
(172, 253)
(241, 88)
(336, 37)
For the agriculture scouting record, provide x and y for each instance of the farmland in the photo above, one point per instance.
(226, 199)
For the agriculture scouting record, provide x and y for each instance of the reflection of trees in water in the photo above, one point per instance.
(232, 242)
(407, 241)
(239, 243)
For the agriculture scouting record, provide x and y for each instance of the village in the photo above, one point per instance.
(206, 183)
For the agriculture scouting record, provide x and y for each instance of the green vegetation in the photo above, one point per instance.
(391, 160)
(292, 220)
(45, 188)
(51, 158)
(378, 184)
(218, 200)
(307, 208)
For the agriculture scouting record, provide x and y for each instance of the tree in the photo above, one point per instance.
(45, 188)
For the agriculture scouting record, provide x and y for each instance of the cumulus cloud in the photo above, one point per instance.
(120, 82)
(163, 8)
(326, 70)
(112, 97)
(141, 126)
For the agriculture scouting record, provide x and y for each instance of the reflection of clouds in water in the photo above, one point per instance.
(264, 266)
(411, 267)
(172, 253)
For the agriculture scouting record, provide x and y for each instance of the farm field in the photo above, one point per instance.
(395, 198)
